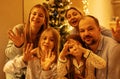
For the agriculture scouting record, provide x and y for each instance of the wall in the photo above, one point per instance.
(102, 9)
(10, 15)
(116, 7)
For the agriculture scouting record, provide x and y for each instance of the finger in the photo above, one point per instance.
(34, 52)
(50, 53)
(17, 31)
(11, 34)
(27, 48)
(113, 31)
(117, 22)
(53, 58)
(31, 46)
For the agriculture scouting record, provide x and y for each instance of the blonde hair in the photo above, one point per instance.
(56, 37)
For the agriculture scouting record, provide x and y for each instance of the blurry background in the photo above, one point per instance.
(16, 11)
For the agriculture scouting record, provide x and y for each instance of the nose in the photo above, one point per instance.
(86, 32)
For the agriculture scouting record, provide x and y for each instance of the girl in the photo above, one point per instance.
(73, 15)
(23, 34)
(41, 61)
(77, 62)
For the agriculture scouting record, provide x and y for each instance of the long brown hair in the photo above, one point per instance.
(27, 32)
(71, 71)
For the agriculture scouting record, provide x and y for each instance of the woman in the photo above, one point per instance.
(77, 62)
(73, 16)
(41, 61)
(27, 33)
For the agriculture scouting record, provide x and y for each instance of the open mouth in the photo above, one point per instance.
(74, 21)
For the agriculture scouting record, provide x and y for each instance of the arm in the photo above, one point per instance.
(11, 50)
(106, 31)
(95, 60)
(14, 65)
(62, 64)
(114, 63)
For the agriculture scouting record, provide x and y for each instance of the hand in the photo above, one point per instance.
(17, 38)
(116, 33)
(47, 59)
(76, 48)
(29, 53)
(64, 51)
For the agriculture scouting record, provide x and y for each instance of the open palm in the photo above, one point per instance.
(47, 60)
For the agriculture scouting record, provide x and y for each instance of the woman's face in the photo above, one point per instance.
(74, 48)
(73, 17)
(47, 41)
(37, 18)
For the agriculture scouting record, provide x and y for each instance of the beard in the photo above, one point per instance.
(89, 40)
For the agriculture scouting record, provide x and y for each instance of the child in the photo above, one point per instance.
(22, 34)
(77, 62)
(41, 61)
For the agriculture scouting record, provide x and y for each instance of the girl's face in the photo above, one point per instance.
(74, 48)
(37, 18)
(47, 41)
(73, 17)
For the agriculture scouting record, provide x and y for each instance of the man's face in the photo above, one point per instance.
(89, 31)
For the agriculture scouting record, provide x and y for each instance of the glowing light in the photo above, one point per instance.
(85, 6)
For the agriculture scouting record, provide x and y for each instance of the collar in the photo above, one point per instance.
(76, 64)
(101, 44)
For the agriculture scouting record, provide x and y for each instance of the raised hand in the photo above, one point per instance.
(116, 33)
(29, 53)
(76, 48)
(47, 59)
(65, 50)
(17, 37)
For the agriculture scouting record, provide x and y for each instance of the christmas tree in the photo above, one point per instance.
(57, 9)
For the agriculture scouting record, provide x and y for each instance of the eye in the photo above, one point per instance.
(74, 13)
(68, 16)
(90, 28)
(70, 47)
(34, 13)
(52, 39)
(44, 38)
(81, 30)
(40, 15)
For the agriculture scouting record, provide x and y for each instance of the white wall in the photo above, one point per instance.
(102, 9)
(10, 15)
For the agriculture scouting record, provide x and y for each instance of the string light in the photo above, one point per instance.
(85, 6)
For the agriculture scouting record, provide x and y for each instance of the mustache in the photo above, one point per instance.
(87, 36)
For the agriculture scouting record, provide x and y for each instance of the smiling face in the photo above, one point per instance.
(37, 17)
(74, 48)
(47, 41)
(89, 31)
(73, 17)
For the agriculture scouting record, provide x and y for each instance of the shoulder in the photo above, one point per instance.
(20, 27)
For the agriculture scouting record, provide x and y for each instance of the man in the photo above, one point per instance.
(73, 15)
(106, 47)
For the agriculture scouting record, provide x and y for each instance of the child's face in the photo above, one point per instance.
(74, 47)
(47, 41)
(37, 17)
